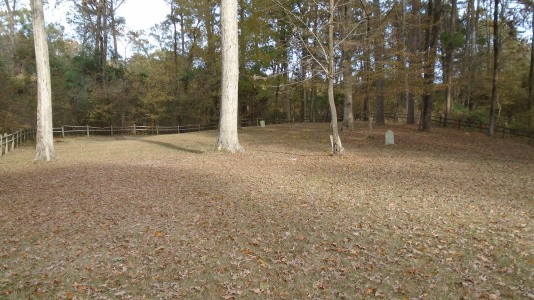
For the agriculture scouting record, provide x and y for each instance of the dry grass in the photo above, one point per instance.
(442, 215)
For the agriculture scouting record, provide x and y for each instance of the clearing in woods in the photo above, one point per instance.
(446, 214)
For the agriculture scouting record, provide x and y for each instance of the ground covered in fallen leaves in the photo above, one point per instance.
(440, 215)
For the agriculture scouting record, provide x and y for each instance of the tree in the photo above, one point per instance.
(45, 136)
(11, 8)
(530, 121)
(348, 115)
(468, 74)
(337, 148)
(228, 139)
(449, 60)
(406, 95)
(431, 38)
(379, 59)
(495, 91)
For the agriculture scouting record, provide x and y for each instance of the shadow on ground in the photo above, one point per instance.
(171, 146)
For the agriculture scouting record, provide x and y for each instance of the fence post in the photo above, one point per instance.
(178, 128)
(87, 128)
(157, 129)
(13, 141)
(111, 129)
(6, 142)
(134, 130)
(1, 145)
(63, 131)
(6, 137)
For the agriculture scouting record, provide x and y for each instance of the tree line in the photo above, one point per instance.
(298, 59)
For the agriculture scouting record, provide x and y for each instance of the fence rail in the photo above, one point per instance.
(141, 129)
(8, 142)
(483, 127)
(468, 123)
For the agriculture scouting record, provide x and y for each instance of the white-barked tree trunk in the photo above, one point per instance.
(44, 149)
(228, 139)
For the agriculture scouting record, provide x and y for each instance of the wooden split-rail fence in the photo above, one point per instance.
(8, 142)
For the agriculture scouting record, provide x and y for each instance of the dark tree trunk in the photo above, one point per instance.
(11, 23)
(410, 118)
(379, 112)
(470, 40)
(431, 38)
(495, 90)
(405, 72)
(348, 114)
(378, 53)
(449, 62)
(211, 45)
(113, 26)
(101, 38)
(367, 68)
(414, 46)
(174, 21)
(182, 33)
(531, 81)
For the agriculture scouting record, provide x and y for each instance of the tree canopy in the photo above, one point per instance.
(383, 54)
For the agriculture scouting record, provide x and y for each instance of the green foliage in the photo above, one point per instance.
(180, 83)
(459, 111)
(457, 39)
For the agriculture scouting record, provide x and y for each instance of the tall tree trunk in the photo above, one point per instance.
(531, 78)
(86, 20)
(410, 103)
(348, 113)
(113, 29)
(97, 33)
(304, 70)
(284, 42)
(182, 32)
(174, 21)
(367, 68)
(337, 148)
(379, 105)
(101, 33)
(470, 40)
(105, 36)
(44, 149)
(379, 65)
(313, 96)
(450, 61)
(414, 47)
(228, 139)
(404, 60)
(211, 45)
(11, 23)
(431, 38)
(494, 90)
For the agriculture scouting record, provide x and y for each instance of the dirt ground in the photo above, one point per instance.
(440, 215)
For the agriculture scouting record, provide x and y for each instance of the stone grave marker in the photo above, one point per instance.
(262, 124)
(390, 138)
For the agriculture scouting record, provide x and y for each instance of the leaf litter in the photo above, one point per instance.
(446, 214)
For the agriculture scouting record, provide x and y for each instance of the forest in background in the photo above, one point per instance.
(388, 56)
